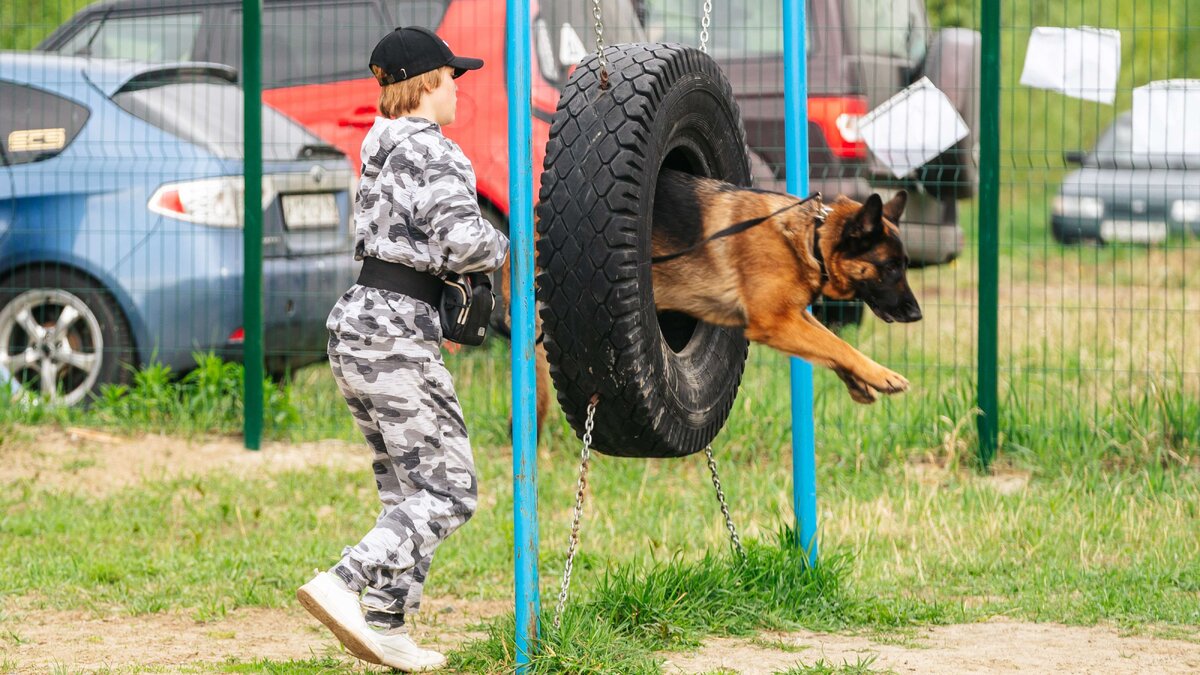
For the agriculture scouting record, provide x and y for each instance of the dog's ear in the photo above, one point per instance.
(868, 220)
(895, 207)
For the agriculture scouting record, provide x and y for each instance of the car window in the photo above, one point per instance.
(894, 28)
(738, 29)
(310, 44)
(208, 112)
(427, 13)
(35, 124)
(1114, 150)
(167, 37)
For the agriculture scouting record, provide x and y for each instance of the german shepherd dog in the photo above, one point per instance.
(754, 259)
(763, 279)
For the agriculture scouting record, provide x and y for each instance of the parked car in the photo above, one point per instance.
(1118, 195)
(860, 52)
(314, 63)
(121, 222)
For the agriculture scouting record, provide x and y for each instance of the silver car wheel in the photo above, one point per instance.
(51, 339)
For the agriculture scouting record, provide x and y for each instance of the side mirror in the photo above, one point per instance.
(1074, 156)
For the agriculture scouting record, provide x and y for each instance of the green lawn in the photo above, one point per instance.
(1086, 520)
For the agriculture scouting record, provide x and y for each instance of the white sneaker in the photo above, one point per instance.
(336, 606)
(400, 652)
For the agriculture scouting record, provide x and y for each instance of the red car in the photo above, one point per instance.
(315, 54)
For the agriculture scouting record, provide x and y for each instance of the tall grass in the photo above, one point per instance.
(207, 399)
(637, 610)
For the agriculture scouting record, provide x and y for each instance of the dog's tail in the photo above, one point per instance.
(501, 321)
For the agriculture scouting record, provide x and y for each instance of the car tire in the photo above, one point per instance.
(665, 383)
(57, 321)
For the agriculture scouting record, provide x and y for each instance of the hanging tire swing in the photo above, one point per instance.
(665, 382)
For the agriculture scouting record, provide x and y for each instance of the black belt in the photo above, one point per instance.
(402, 279)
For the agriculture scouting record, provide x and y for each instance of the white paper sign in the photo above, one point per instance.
(912, 127)
(1166, 118)
(1080, 62)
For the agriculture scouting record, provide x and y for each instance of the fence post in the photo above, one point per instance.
(520, 212)
(989, 230)
(804, 467)
(252, 267)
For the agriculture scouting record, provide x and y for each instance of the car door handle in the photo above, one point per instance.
(363, 117)
(357, 122)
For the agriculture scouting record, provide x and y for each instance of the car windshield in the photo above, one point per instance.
(166, 37)
(892, 28)
(208, 112)
(1114, 150)
(738, 29)
(565, 33)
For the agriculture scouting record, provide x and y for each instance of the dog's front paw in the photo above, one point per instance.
(860, 391)
(888, 381)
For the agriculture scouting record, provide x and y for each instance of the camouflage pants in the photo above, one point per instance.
(386, 362)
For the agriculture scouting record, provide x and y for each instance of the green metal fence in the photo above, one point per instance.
(1059, 299)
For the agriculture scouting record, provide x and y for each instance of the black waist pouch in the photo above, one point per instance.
(464, 302)
(466, 307)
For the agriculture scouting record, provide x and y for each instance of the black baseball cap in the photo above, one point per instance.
(409, 51)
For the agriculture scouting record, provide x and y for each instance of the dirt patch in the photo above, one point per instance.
(101, 463)
(996, 646)
(36, 642)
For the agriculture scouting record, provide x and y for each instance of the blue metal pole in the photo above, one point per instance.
(520, 219)
(804, 462)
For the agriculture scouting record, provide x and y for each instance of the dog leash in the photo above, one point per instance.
(732, 230)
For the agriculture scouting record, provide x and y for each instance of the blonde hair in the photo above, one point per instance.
(400, 98)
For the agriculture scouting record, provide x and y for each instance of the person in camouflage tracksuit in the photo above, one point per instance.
(417, 206)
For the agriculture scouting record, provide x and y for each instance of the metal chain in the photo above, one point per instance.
(600, 44)
(716, 481)
(584, 456)
(705, 22)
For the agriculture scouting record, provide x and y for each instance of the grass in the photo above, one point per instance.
(861, 666)
(634, 612)
(1090, 516)
(207, 399)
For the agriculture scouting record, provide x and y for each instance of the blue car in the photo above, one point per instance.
(121, 222)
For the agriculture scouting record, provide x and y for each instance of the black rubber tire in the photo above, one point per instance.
(118, 351)
(665, 387)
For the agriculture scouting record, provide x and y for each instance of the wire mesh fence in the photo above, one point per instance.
(121, 247)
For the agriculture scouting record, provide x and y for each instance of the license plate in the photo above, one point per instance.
(310, 211)
(1134, 231)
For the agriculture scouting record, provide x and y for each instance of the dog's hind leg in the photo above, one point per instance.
(800, 334)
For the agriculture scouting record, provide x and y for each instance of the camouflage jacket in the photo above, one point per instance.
(417, 203)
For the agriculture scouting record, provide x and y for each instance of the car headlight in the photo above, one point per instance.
(1185, 211)
(1075, 206)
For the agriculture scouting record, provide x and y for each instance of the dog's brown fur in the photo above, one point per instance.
(764, 278)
